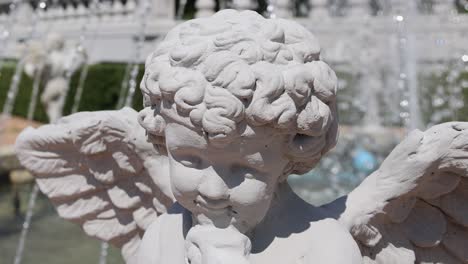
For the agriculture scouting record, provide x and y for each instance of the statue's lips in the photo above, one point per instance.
(212, 205)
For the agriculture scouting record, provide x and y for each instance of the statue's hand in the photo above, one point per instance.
(210, 245)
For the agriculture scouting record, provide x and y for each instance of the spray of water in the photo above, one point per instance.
(16, 79)
(35, 93)
(103, 253)
(79, 89)
(124, 86)
(129, 83)
(95, 9)
(26, 225)
(408, 79)
(142, 14)
(8, 107)
(6, 31)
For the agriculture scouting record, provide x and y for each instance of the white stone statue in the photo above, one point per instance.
(56, 63)
(235, 103)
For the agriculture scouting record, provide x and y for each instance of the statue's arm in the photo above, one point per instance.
(164, 240)
(149, 250)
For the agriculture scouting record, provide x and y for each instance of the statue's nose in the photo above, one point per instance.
(213, 186)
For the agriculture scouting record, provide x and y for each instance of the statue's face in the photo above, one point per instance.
(229, 185)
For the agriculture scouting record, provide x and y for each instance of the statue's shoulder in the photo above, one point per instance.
(308, 235)
(330, 242)
(163, 241)
(172, 220)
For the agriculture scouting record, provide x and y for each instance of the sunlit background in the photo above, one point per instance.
(402, 64)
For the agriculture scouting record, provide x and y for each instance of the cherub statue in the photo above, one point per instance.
(235, 103)
(56, 64)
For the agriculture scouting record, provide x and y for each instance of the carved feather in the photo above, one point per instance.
(414, 208)
(99, 171)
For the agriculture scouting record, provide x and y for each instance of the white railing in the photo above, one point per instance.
(114, 23)
(327, 8)
(107, 10)
(118, 10)
(115, 9)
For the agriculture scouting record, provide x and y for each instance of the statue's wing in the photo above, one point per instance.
(414, 208)
(99, 171)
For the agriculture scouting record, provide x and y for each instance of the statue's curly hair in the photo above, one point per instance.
(239, 68)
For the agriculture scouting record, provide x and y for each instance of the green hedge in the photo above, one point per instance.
(101, 90)
(428, 92)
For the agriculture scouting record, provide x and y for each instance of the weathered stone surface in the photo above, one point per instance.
(234, 104)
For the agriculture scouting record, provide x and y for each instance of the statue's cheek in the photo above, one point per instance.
(184, 181)
(252, 197)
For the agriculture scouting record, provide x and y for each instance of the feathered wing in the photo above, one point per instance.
(414, 208)
(99, 171)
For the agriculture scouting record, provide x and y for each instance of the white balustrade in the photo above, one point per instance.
(52, 13)
(118, 9)
(283, 8)
(106, 11)
(130, 7)
(443, 7)
(164, 9)
(205, 8)
(3, 17)
(70, 12)
(121, 11)
(358, 8)
(81, 9)
(243, 4)
(399, 6)
(81, 12)
(60, 12)
(319, 9)
(41, 13)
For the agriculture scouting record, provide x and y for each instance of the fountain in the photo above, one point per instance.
(95, 8)
(58, 64)
(393, 67)
(142, 13)
(6, 27)
(234, 104)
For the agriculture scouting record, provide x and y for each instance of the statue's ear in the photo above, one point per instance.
(152, 121)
